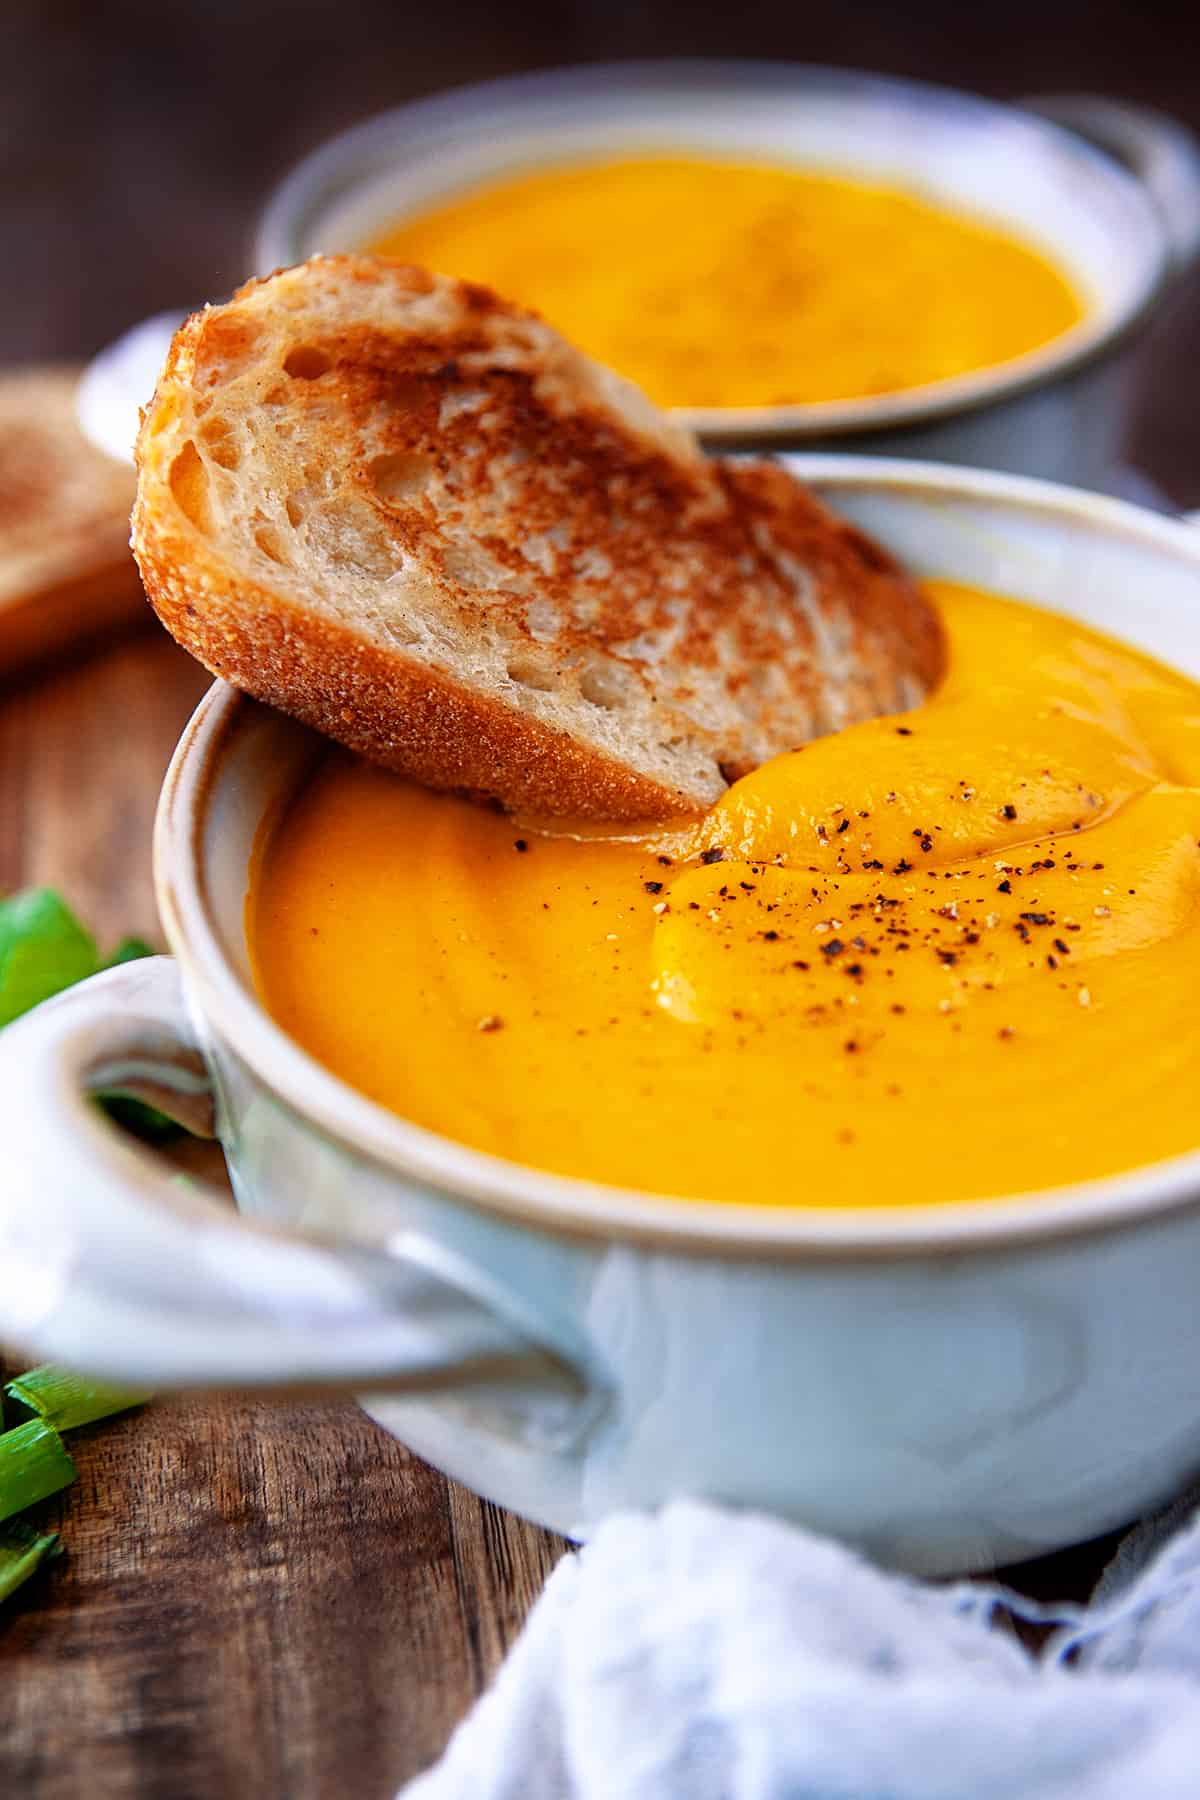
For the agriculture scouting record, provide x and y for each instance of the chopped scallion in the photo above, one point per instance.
(130, 949)
(22, 1549)
(43, 949)
(66, 1400)
(33, 1464)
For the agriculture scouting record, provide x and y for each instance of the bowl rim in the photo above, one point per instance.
(568, 1206)
(319, 178)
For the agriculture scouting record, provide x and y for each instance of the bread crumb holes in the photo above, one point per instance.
(306, 362)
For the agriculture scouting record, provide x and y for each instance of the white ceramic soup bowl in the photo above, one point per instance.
(950, 1386)
(1120, 223)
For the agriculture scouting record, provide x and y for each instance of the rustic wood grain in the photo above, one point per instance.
(260, 1602)
(82, 753)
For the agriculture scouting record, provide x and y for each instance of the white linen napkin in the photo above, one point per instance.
(698, 1654)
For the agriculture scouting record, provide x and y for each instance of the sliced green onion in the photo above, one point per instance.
(33, 1464)
(145, 1122)
(22, 1550)
(43, 949)
(66, 1400)
(130, 949)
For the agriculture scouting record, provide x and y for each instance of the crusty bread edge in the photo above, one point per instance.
(390, 708)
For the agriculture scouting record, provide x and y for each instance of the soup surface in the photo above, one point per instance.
(721, 284)
(931, 958)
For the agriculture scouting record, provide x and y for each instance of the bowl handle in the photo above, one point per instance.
(117, 1266)
(1163, 154)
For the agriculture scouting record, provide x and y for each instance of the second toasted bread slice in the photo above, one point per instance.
(66, 574)
(413, 516)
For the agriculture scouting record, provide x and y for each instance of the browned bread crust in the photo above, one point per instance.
(65, 567)
(414, 517)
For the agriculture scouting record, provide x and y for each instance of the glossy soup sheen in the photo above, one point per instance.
(720, 284)
(934, 957)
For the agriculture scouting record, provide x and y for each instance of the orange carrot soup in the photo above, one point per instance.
(721, 284)
(935, 957)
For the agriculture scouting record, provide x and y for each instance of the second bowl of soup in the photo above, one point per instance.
(787, 254)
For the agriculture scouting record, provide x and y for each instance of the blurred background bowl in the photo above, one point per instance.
(1120, 233)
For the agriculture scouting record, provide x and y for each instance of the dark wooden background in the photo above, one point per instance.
(280, 1603)
(138, 138)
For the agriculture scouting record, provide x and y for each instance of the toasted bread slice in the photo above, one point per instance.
(65, 568)
(413, 516)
